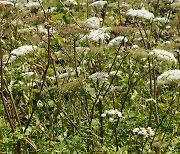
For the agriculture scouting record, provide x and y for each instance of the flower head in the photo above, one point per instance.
(169, 77)
(163, 55)
(28, 74)
(116, 41)
(162, 20)
(70, 2)
(99, 34)
(99, 4)
(141, 13)
(112, 112)
(32, 4)
(99, 75)
(93, 22)
(146, 132)
(23, 50)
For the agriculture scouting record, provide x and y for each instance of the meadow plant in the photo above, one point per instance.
(89, 76)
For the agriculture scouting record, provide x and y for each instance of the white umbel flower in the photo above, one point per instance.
(32, 4)
(162, 20)
(99, 34)
(99, 75)
(146, 132)
(28, 74)
(93, 22)
(141, 13)
(135, 130)
(112, 112)
(163, 55)
(116, 88)
(99, 4)
(169, 77)
(70, 2)
(116, 41)
(23, 50)
(134, 46)
(103, 115)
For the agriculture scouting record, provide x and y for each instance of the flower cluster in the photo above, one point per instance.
(116, 88)
(140, 13)
(162, 20)
(99, 76)
(23, 50)
(146, 132)
(99, 4)
(93, 22)
(70, 2)
(116, 41)
(111, 113)
(163, 55)
(28, 74)
(99, 34)
(169, 76)
(32, 4)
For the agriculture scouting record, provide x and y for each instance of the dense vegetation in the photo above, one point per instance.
(90, 77)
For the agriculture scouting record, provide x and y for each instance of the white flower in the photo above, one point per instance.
(162, 20)
(169, 76)
(93, 22)
(119, 114)
(28, 74)
(135, 130)
(23, 50)
(70, 2)
(140, 13)
(151, 133)
(103, 115)
(163, 55)
(99, 75)
(99, 34)
(112, 112)
(116, 41)
(115, 88)
(134, 46)
(142, 131)
(146, 132)
(99, 4)
(111, 119)
(12, 58)
(32, 4)
(112, 73)
(31, 84)
(166, 43)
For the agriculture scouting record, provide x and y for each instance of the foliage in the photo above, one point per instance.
(67, 95)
